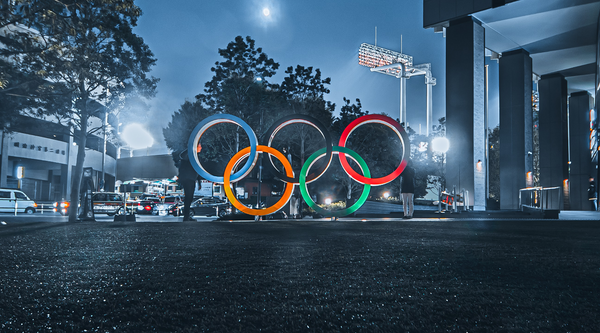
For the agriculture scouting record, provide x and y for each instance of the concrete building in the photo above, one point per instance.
(42, 153)
(550, 45)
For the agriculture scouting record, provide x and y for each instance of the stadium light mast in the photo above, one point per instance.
(399, 65)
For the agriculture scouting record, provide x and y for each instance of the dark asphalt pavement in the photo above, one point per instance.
(301, 276)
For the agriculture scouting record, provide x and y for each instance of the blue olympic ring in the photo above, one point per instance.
(205, 125)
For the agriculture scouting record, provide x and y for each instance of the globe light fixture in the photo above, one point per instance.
(440, 144)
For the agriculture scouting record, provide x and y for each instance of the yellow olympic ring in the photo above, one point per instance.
(289, 187)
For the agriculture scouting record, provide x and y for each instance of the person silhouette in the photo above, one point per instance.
(592, 195)
(187, 179)
(408, 190)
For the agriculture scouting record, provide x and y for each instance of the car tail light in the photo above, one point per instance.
(148, 208)
(64, 204)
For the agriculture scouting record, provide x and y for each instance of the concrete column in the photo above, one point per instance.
(580, 169)
(553, 133)
(403, 100)
(465, 109)
(516, 126)
(429, 107)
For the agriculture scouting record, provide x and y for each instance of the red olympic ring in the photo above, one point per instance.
(379, 119)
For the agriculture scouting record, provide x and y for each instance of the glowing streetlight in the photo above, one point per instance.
(266, 11)
(440, 144)
(386, 195)
(328, 201)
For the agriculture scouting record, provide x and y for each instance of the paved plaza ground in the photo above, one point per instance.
(379, 275)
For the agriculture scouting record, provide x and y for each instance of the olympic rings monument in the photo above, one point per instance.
(305, 177)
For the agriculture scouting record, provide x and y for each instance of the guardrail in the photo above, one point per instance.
(39, 208)
(543, 199)
(46, 208)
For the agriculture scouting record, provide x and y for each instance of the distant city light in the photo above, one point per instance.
(137, 137)
(266, 12)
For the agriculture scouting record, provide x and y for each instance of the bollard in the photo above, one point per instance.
(454, 210)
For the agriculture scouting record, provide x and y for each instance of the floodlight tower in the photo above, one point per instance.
(399, 65)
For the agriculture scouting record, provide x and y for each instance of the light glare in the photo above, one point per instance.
(440, 144)
(266, 11)
(137, 137)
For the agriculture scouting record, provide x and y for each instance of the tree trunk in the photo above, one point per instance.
(77, 173)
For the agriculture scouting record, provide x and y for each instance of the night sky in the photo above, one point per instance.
(185, 36)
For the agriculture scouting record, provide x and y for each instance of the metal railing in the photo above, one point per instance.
(542, 198)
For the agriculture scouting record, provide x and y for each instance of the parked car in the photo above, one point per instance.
(165, 207)
(11, 199)
(62, 207)
(146, 206)
(108, 203)
(205, 206)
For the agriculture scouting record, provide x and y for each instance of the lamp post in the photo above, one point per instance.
(440, 145)
(258, 80)
(104, 125)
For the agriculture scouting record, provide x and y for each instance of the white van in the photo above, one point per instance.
(9, 198)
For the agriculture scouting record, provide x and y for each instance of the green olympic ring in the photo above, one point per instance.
(304, 191)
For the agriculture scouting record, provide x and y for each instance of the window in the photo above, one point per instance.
(21, 196)
(4, 195)
(99, 197)
(16, 144)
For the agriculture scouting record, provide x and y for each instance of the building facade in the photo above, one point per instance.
(39, 156)
(549, 46)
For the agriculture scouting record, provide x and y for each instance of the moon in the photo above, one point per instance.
(266, 11)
